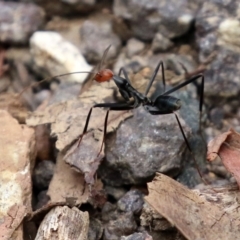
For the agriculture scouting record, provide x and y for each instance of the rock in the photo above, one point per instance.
(146, 18)
(64, 223)
(95, 229)
(138, 236)
(109, 212)
(11, 103)
(43, 141)
(66, 7)
(216, 116)
(17, 153)
(116, 193)
(52, 54)
(96, 37)
(42, 199)
(190, 113)
(132, 65)
(175, 62)
(132, 201)
(152, 219)
(218, 30)
(5, 82)
(134, 46)
(161, 43)
(43, 174)
(142, 146)
(64, 92)
(122, 226)
(18, 21)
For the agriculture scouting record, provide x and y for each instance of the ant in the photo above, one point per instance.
(161, 105)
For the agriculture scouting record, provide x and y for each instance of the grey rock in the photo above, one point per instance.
(131, 65)
(221, 77)
(18, 21)
(42, 174)
(142, 146)
(96, 37)
(124, 225)
(134, 46)
(161, 43)
(4, 82)
(109, 212)
(216, 116)
(138, 236)
(218, 26)
(114, 192)
(146, 18)
(95, 229)
(150, 218)
(65, 7)
(175, 62)
(190, 113)
(42, 199)
(132, 201)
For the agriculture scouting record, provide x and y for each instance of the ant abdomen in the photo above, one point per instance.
(164, 105)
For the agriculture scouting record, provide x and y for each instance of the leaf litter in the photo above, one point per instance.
(227, 147)
(195, 214)
(67, 120)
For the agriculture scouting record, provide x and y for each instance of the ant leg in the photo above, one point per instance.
(154, 76)
(190, 150)
(104, 131)
(122, 69)
(192, 79)
(111, 107)
(86, 126)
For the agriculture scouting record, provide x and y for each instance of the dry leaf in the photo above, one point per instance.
(64, 223)
(11, 103)
(193, 215)
(227, 146)
(67, 121)
(67, 183)
(68, 118)
(85, 157)
(17, 155)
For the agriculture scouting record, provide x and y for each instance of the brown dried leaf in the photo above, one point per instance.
(68, 118)
(67, 122)
(11, 103)
(227, 146)
(64, 223)
(84, 158)
(17, 156)
(215, 144)
(67, 183)
(193, 215)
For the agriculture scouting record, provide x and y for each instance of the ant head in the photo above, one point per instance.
(103, 75)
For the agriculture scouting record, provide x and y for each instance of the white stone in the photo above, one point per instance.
(58, 56)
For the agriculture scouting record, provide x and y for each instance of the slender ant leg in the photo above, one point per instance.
(190, 149)
(154, 76)
(122, 69)
(110, 106)
(164, 104)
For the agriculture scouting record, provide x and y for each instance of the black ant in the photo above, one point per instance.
(161, 105)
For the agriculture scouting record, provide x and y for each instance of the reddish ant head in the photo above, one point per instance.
(103, 75)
